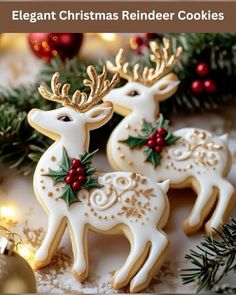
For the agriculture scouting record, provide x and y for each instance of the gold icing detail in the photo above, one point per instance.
(122, 156)
(50, 194)
(53, 158)
(202, 150)
(130, 162)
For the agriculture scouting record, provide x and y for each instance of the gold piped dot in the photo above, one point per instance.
(41, 181)
(53, 158)
(130, 162)
(122, 156)
(86, 214)
(100, 217)
(43, 187)
(118, 147)
(42, 170)
(127, 200)
(57, 189)
(127, 126)
(112, 216)
(155, 208)
(50, 194)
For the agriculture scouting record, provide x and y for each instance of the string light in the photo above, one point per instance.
(108, 36)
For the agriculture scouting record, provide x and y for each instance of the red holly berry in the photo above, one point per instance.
(81, 178)
(197, 87)
(152, 136)
(151, 143)
(72, 172)
(75, 163)
(76, 185)
(158, 149)
(202, 69)
(161, 132)
(69, 180)
(80, 170)
(160, 141)
(210, 86)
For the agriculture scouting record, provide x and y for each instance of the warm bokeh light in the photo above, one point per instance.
(108, 36)
(26, 252)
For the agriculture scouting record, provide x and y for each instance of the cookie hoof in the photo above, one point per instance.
(79, 276)
(38, 264)
(190, 229)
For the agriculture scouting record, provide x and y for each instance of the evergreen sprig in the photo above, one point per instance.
(218, 50)
(213, 260)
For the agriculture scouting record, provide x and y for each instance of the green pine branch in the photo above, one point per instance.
(212, 261)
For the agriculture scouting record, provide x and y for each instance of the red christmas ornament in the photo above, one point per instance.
(197, 87)
(210, 86)
(202, 69)
(48, 45)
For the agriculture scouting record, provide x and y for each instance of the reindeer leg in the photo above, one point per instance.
(203, 205)
(157, 254)
(226, 199)
(138, 253)
(78, 233)
(56, 228)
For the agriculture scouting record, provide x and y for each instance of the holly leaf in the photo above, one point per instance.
(57, 176)
(90, 171)
(171, 139)
(91, 183)
(147, 127)
(64, 163)
(87, 157)
(152, 157)
(69, 195)
(134, 142)
(162, 123)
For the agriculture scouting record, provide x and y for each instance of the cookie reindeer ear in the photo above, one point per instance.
(165, 87)
(165, 185)
(99, 114)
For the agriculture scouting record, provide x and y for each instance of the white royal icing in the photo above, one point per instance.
(124, 199)
(197, 155)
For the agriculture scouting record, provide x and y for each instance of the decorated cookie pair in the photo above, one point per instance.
(133, 203)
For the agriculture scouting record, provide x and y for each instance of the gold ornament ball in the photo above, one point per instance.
(16, 275)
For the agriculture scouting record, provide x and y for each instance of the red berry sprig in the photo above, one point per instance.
(156, 140)
(76, 175)
(200, 86)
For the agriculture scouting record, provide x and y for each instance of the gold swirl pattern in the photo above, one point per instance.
(199, 146)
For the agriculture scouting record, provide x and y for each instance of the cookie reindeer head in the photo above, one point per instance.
(148, 87)
(79, 113)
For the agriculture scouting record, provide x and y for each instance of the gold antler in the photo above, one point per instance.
(98, 84)
(161, 56)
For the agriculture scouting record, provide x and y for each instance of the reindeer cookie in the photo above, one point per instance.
(73, 194)
(143, 143)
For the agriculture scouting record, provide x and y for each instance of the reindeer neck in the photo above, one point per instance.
(73, 146)
(134, 118)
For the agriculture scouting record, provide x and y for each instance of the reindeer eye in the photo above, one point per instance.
(133, 93)
(64, 119)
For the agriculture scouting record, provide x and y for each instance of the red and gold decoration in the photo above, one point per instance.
(154, 138)
(75, 174)
(48, 45)
(140, 42)
(16, 275)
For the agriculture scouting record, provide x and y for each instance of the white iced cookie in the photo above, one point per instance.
(143, 143)
(73, 194)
